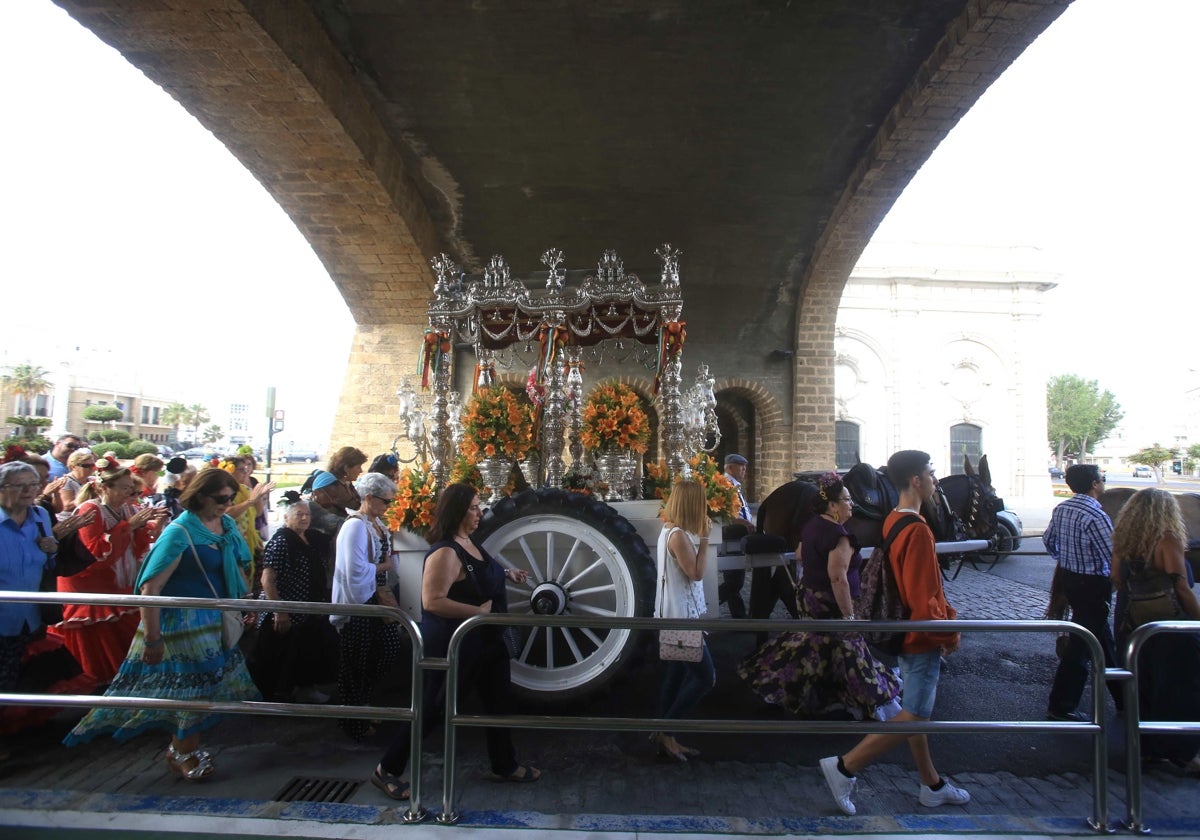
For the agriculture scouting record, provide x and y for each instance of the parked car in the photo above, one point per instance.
(305, 456)
(1142, 471)
(196, 453)
(1056, 473)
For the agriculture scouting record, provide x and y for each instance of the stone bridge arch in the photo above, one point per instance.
(265, 78)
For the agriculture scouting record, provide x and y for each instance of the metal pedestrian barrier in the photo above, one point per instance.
(1134, 725)
(1095, 728)
(413, 713)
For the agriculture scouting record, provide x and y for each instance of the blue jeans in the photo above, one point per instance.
(684, 684)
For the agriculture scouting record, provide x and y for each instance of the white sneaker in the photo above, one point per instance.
(947, 795)
(840, 786)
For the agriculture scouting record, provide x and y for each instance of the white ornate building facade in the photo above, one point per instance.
(940, 349)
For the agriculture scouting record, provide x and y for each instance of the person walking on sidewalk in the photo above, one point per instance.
(913, 556)
(1079, 538)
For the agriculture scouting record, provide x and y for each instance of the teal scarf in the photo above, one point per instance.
(173, 544)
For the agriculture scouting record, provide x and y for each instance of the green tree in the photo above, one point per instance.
(1079, 415)
(28, 426)
(25, 381)
(1153, 457)
(110, 436)
(213, 434)
(103, 413)
(197, 416)
(176, 414)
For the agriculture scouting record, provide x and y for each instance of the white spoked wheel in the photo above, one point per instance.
(583, 560)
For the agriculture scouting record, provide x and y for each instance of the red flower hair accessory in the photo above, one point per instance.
(107, 463)
(13, 452)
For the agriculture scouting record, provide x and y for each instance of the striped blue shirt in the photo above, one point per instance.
(1079, 536)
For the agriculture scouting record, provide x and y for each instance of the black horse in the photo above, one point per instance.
(963, 507)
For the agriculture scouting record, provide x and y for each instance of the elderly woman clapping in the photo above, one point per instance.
(369, 646)
(295, 651)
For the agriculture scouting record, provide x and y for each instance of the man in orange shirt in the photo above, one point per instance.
(913, 556)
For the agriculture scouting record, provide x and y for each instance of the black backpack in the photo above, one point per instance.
(880, 597)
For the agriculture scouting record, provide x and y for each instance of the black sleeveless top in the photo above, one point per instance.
(485, 581)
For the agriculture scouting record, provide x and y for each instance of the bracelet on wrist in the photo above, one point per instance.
(153, 643)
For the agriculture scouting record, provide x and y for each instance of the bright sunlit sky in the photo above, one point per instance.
(127, 225)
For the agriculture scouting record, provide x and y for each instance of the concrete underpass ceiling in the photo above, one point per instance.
(765, 139)
(729, 129)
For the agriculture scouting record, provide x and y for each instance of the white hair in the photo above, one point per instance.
(375, 484)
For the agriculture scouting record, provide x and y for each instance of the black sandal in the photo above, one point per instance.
(393, 786)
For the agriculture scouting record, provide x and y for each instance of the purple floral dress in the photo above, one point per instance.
(815, 674)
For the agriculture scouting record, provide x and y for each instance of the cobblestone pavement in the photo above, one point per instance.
(979, 595)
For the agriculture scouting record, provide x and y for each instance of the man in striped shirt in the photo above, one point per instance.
(1079, 538)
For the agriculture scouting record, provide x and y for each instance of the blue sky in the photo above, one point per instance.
(148, 243)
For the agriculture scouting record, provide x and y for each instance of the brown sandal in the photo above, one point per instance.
(521, 775)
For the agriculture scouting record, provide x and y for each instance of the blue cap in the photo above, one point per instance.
(734, 458)
(323, 479)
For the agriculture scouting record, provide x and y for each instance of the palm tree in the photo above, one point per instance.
(197, 416)
(213, 434)
(176, 414)
(27, 382)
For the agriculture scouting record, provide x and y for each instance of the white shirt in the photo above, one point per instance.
(680, 596)
(358, 551)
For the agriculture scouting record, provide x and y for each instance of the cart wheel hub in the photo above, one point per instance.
(548, 599)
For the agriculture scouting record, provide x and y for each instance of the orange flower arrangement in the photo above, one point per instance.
(723, 504)
(416, 495)
(496, 425)
(613, 416)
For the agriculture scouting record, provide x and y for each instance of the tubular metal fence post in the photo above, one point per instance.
(415, 812)
(1133, 740)
(449, 816)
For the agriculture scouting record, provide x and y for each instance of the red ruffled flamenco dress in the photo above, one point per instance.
(99, 637)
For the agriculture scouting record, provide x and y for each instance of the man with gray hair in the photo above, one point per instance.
(60, 452)
(732, 581)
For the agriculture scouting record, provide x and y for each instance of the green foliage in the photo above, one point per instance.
(103, 413)
(105, 446)
(25, 381)
(140, 447)
(176, 414)
(34, 443)
(213, 434)
(197, 416)
(1193, 451)
(27, 422)
(110, 436)
(1079, 416)
(1154, 457)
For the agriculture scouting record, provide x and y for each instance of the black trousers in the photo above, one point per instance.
(1090, 597)
(488, 671)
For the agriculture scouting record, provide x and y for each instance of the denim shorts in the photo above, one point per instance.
(920, 672)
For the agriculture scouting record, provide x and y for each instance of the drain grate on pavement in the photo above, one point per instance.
(310, 789)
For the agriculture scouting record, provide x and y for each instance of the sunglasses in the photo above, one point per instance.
(224, 499)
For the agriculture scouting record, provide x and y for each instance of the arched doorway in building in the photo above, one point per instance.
(736, 418)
